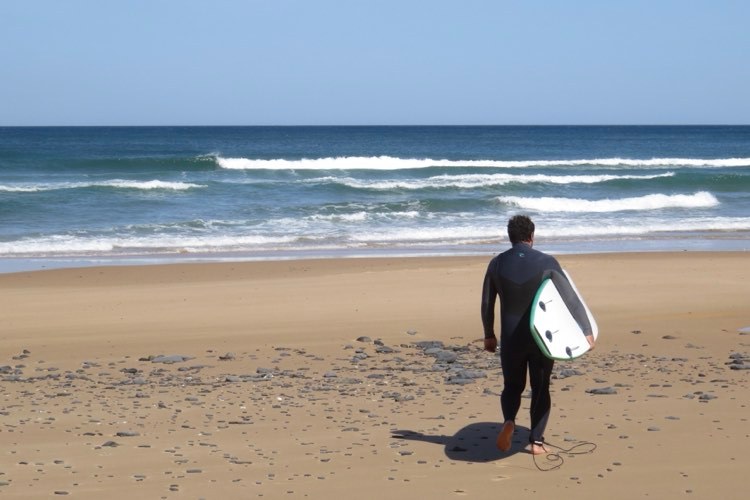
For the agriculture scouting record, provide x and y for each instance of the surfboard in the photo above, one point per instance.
(553, 326)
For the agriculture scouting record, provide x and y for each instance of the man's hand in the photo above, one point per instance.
(490, 344)
(591, 341)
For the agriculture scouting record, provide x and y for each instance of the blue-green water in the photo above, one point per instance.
(144, 194)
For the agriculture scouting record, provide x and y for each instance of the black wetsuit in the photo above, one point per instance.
(515, 276)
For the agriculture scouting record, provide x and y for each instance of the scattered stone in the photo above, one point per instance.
(168, 359)
(602, 391)
(738, 361)
(374, 389)
(565, 373)
(428, 344)
(127, 434)
(459, 381)
(384, 349)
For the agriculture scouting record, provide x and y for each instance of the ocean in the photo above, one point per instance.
(74, 196)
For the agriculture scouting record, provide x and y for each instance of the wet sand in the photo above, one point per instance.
(365, 378)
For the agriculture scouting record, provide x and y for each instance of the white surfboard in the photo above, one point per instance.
(553, 327)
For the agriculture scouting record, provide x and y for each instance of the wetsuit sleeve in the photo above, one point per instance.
(571, 299)
(489, 296)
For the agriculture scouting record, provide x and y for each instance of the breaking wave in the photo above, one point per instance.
(394, 163)
(701, 199)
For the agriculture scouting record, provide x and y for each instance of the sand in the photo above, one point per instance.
(365, 378)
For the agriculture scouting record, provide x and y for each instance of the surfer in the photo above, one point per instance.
(515, 276)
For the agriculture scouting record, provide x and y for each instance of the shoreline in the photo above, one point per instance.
(31, 263)
(313, 378)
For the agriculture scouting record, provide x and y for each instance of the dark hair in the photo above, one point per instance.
(520, 228)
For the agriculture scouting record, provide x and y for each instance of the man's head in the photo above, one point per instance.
(520, 228)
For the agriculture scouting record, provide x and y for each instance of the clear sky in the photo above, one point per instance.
(365, 62)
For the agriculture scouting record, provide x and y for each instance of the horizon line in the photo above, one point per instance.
(391, 125)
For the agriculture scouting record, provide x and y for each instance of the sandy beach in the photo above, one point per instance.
(365, 378)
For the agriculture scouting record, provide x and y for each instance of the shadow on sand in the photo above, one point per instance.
(473, 443)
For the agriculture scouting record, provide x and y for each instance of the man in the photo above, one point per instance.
(515, 276)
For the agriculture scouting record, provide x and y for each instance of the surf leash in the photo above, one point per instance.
(556, 457)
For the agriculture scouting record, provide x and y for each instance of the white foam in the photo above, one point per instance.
(700, 199)
(428, 234)
(71, 245)
(21, 188)
(474, 181)
(443, 231)
(114, 183)
(365, 216)
(394, 163)
(148, 185)
(643, 228)
(353, 217)
(477, 233)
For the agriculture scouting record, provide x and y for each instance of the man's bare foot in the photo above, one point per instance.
(537, 448)
(505, 437)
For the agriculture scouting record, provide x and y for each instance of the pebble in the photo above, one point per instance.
(602, 391)
(371, 383)
(169, 359)
(565, 373)
(127, 434)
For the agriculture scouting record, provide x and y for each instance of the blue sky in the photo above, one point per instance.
(349, 62)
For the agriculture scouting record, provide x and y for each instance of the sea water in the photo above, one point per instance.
(77, 195)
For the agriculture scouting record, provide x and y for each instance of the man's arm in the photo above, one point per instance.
(489, 296)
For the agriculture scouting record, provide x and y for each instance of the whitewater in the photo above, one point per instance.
(122, 194)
